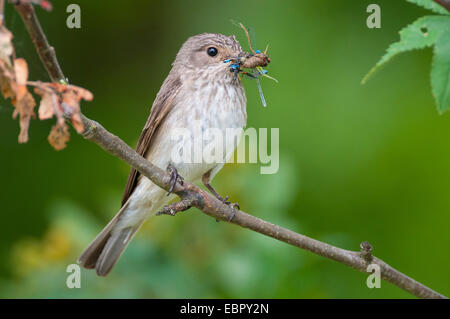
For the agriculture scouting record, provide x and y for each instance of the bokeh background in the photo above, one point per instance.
(356, 162)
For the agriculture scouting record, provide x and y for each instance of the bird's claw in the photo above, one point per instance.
(222, 199)
(233, 206)
(174, 177)
(233, 210)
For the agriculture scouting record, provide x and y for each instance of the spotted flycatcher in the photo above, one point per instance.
(200, 90)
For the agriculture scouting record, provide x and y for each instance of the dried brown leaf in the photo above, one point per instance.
(6, 47)
(83, 93)
(71, 99)
(46, 107)
(57, 99)
(21, 72)
(80, 92)
(56, 86)
(59, 136)
(24, 107)
(77, 123)
(6, 69)
(6, 80)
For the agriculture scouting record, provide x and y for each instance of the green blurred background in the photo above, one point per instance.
(356, 162)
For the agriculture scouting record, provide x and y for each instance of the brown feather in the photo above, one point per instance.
(161, 107)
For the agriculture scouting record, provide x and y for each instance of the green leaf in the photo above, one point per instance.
(418, 35)
(440, 72)
(430, 5)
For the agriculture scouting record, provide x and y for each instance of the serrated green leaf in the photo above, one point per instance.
(430, 5)
(440, 72)
(420, 34)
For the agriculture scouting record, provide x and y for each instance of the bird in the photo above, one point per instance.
(200, 92)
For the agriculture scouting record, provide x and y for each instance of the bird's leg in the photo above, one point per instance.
(206, 181)
(174, 177)
(184, 203)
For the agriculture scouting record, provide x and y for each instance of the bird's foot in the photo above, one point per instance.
(174, 177)
(222, 199)
(233, 209)
(206, 179)
(233, 206)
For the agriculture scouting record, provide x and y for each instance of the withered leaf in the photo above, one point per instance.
(46, 108)
(21, 69)
(77, 123)
(59, 136)
(21, 72)
(83, 93)
(6, 78)
(71, 99)
(57, 99)
(6, 47)
(24, 107)
(6, 70)
(79, 92)
(65, 100)
(23, 100)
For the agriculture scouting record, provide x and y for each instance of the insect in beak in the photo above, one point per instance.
(255, 60)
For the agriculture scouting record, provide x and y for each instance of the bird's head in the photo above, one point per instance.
(216, 54)
(207, 49)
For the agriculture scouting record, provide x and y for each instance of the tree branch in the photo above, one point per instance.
(192, 195)
(43, 48)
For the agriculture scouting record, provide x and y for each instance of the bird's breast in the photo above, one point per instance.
(204, 117)
(216, 104)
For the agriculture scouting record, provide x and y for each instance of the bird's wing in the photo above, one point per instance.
(161, 107)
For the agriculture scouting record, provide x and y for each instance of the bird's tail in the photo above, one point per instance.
(104, 251)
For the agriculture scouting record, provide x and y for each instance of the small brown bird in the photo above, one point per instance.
(200, 90)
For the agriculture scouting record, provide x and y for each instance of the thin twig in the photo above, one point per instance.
(45, 51)
(191, 194)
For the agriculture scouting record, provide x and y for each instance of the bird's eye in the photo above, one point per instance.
(212, 51)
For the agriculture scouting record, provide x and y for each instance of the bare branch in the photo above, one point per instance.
(192, 195)
(45, 51)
